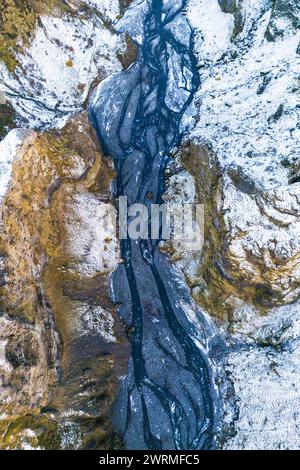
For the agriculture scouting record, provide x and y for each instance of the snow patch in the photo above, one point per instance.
(92, 235)
(4, 364)
(8, 149)
(109, 8)
(213, 28)
(99, 321)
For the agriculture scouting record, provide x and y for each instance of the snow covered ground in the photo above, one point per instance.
(65, 57)
(56, 71)
(264, 371)
(9, 147)
(249, 114)
(249, 97)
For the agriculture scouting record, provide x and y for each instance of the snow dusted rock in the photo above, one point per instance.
(8, 149)
(262, 243)
(266, 383)
(250, 90)
(59, 333)
(54, 72)
(251, 247)
(248, 118)
(264, 370)
(279, 328)
(285, 17)
(243, 155)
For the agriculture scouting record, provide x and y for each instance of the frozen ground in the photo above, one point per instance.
(264, 370)
(66, 55)
(8, 149)
(249, 97)
(249, 113)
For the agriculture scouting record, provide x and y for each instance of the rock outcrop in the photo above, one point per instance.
(54, 53)
(251, 250)
(242, 157)
(62, 348)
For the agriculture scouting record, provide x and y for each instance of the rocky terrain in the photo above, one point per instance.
(243, 154)
(63, 348)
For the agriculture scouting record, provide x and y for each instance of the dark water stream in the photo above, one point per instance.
(168, 399)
